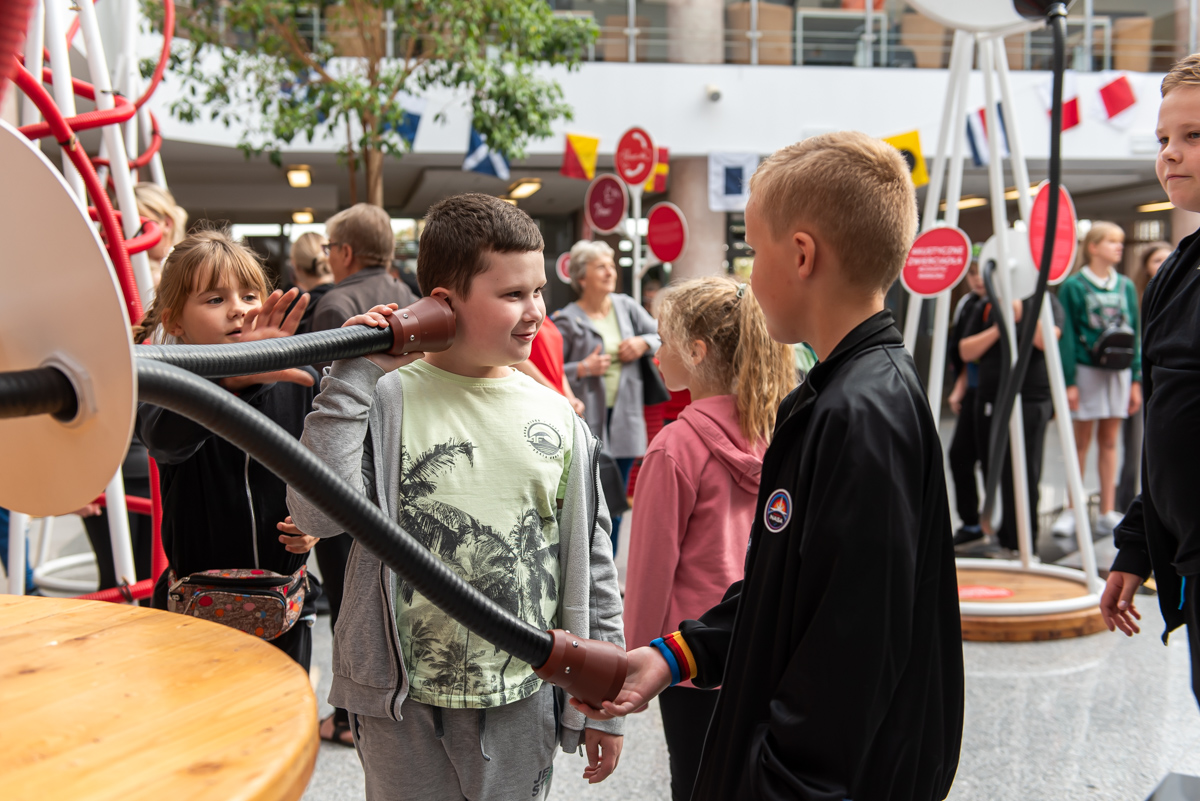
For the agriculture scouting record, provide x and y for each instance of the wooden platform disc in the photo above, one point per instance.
(993, 586)
(104, 702)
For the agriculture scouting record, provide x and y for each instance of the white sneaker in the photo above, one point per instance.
(1109, 521)
(1064, 526)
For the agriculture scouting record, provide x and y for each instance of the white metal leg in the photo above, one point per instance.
(34, 41)
(17, 523)
(118, 529)
(64, 94)
(44, 541)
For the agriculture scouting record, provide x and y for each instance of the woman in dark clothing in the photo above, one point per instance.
(310, 272)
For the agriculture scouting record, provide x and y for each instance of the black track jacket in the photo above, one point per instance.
(1161, 529)
(840, 653)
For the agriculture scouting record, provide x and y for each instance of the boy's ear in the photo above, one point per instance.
(804, 249)
(444, 294)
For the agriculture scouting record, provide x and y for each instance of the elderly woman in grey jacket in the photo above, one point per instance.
(604, 335)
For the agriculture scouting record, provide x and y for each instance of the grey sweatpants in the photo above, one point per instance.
(437, 754)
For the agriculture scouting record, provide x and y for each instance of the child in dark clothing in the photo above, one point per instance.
(839, 655)
(963, 453)
(980, 343)
(221, 509)
(1161, 531)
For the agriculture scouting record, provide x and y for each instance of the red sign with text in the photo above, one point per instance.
(1064, 232)
(936, 261)
(635, 157)
(981, 592)
(563, 267)
(666, 231)
(605, 203)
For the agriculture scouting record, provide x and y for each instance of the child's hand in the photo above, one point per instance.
(603, 753)
(1135, 398)
(299, 542)
(268, 322)
(648, 676)
(377, 317)
(1116, 602)
(1073, 398)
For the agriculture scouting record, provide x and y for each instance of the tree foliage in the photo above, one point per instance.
(262, 55)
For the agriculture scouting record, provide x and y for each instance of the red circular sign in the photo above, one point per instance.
(605, 203)
(1064, 232)
(666, 231)
(563, 267)
(980, 592)
(635, 156)
(936, 261)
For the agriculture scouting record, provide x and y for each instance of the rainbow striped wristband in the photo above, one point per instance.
(678, 655)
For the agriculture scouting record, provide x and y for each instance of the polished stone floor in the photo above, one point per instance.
(1104, 717)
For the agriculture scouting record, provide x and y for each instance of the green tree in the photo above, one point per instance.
(262, 54)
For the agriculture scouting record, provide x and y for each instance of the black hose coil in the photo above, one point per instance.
(25, 393)
(222, 361)
(249, 429)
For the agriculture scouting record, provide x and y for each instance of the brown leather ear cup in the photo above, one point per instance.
(427, 325)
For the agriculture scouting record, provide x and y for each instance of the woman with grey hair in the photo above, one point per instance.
(604, 335)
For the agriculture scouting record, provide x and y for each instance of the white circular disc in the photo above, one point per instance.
(60, 302)
(1022, 273)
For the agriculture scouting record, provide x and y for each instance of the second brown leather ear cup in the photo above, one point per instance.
(427, 325)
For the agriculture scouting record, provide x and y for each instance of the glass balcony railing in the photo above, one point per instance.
(1135, 35)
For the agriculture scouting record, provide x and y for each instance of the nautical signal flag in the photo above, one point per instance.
(579, 158)
(482, 159)
(1070, 102)
(657, 182)
(909, 145)
(978, 133)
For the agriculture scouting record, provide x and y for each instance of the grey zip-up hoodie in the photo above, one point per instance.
(358, 400)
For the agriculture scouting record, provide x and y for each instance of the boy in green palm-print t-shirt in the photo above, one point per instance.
(483, 466)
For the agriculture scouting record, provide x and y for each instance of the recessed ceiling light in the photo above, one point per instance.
(524, 188)
(1012, 194)
(968, 203)
(302, 217)
(1165, 205)
(512, 201)
(299, 176)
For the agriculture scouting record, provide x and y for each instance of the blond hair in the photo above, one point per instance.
(158, 204)
(367, 230)
(1100, 230)
(1186, 72)
(855, 192)
(742, 359)
(202, 262)
(308, 255)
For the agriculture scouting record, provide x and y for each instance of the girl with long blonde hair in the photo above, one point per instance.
(699, 481)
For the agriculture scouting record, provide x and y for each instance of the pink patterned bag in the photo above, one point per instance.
(259, 602)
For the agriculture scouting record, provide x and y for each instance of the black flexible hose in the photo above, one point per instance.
(249, 429)
(221, 361)
(25, 393)
(1006, 397)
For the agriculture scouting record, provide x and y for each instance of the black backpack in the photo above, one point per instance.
(1114, 348)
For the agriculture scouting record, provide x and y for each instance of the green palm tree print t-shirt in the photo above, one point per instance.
(483, 468)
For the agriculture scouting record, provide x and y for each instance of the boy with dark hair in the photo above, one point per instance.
(1161, 530)
(839, 655)
(496, 475)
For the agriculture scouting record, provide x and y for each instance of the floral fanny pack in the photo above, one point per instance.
(259, 602)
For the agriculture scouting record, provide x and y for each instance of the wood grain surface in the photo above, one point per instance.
(1027, 628)
(1025, 586)
(106, 701)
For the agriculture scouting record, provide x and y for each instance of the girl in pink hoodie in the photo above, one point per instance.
(699, 482)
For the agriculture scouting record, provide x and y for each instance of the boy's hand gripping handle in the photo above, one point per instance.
(426, 325)
(590, 670)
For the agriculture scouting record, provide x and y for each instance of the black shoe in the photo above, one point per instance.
(967, 535)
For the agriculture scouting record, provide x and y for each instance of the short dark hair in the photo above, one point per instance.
(459, 233)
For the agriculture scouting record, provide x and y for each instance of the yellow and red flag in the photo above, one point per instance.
(579, 159)
(657, 182)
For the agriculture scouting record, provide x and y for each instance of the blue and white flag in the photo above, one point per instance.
(729, 180)
(481, 159)
(977, 135)
(413, 107)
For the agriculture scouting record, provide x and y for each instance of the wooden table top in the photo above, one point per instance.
(107, 701)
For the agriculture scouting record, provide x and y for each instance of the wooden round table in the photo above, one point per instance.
(106, 701)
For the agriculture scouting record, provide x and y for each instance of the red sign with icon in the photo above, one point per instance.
(1064, 232)
(981, 592)
(635, 157)
(605, 203)
(563, 267)
(936, 261)
(666, 231)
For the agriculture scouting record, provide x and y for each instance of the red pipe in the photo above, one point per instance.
(152, 234)
(168, 33)
(120, 595)
(70, 145)
(14, 15)
(158, 557)
(122, 111)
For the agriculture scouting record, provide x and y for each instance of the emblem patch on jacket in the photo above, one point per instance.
(778, 511)
(544, 439)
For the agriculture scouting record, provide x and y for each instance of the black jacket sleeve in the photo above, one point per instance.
(1133, 554)
(172, 438)
(708, 638)
(854, 619)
